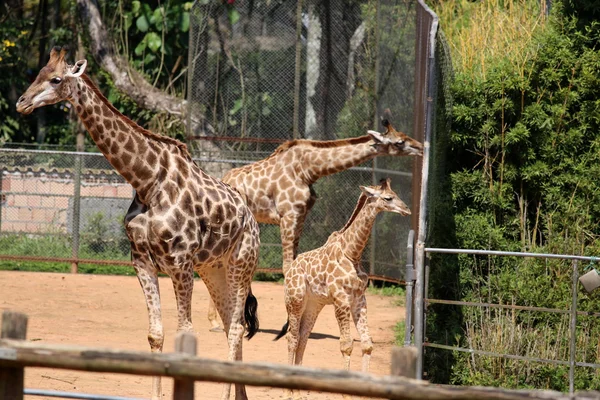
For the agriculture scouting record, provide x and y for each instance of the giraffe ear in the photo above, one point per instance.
(369, 191)
(378, 137)
(78, 69)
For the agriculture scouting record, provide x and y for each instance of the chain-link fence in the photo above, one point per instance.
(264, 72)
(59, 205)
(62, 205)
(259, 73)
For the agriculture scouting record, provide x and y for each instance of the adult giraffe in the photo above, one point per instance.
(181, 219)
(279, 189)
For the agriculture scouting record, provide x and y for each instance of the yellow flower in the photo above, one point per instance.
(0, 58)
(8, 43)
(24, 33)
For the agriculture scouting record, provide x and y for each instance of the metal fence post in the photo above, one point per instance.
(573, 328)
(76, 212)
(1, 199)
(410, 283)
(14, 326)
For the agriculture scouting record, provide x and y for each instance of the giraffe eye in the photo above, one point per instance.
(56, 80)
(388, 198)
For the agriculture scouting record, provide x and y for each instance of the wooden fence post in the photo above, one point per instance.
(404, 362)
(14, 326)
(183, 389)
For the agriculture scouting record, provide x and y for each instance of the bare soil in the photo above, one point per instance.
(110, 312)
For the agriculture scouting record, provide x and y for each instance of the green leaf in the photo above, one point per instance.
(187, 6)
(237, 105)
(135, 7)
(185, 22)
(142, 23)
(149, 58)
(234, 15)
(139, 50)
(128, 22)
(157, 18)
(153, 40)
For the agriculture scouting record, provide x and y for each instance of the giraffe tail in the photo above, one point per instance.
(283, 330)
(250, 315)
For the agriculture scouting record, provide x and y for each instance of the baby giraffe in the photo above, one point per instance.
(332, 274)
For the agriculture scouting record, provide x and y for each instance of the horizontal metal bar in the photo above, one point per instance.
(494, 305)
(584, 364)
(78, 153)
(493, 354)
(512, 307)
(71, 395)
(509, 253)
(65, 260)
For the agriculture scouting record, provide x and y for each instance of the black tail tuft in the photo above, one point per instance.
(283, 330)
(250, 315)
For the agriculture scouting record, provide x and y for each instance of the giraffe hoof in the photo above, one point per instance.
(216, 329)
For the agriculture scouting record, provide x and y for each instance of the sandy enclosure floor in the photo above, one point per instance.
(109, 312)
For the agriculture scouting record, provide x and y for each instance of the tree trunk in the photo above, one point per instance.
(313, 46)
(43, 55)
(340, 21)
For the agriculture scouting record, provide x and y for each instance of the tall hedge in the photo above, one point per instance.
(524, 168)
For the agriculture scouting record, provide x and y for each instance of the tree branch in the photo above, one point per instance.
(133, 84)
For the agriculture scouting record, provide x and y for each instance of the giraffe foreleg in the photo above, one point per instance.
(295, 303)
(359, 314)
(148, 278)
(343, 316)
(290, 236)
(147, 274)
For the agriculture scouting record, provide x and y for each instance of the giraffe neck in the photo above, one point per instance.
(318, 161)
(355, 235)
(134, 152)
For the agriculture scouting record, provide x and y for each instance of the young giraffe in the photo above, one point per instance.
(181, 219)
(332, 274)
(279, 188)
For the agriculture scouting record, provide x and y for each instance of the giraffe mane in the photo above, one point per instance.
(321, 144)
(362, 200)
(128, 121)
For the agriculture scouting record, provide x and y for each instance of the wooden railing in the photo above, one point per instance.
(185, 367)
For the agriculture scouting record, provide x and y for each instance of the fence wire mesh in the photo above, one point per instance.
(62, 205)
(261, 73)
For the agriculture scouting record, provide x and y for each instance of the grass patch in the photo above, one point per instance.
(390, 290)
(399, 331)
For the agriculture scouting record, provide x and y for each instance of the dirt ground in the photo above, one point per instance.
(109, 312)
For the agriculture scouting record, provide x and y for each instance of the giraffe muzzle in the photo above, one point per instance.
(24, 106)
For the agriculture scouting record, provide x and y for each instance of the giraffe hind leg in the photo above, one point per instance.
(213, 317)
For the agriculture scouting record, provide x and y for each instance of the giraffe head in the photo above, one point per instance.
(395, 143)
(384, 198)
(55, 82)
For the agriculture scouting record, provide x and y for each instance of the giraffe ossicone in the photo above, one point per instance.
(181, 219)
